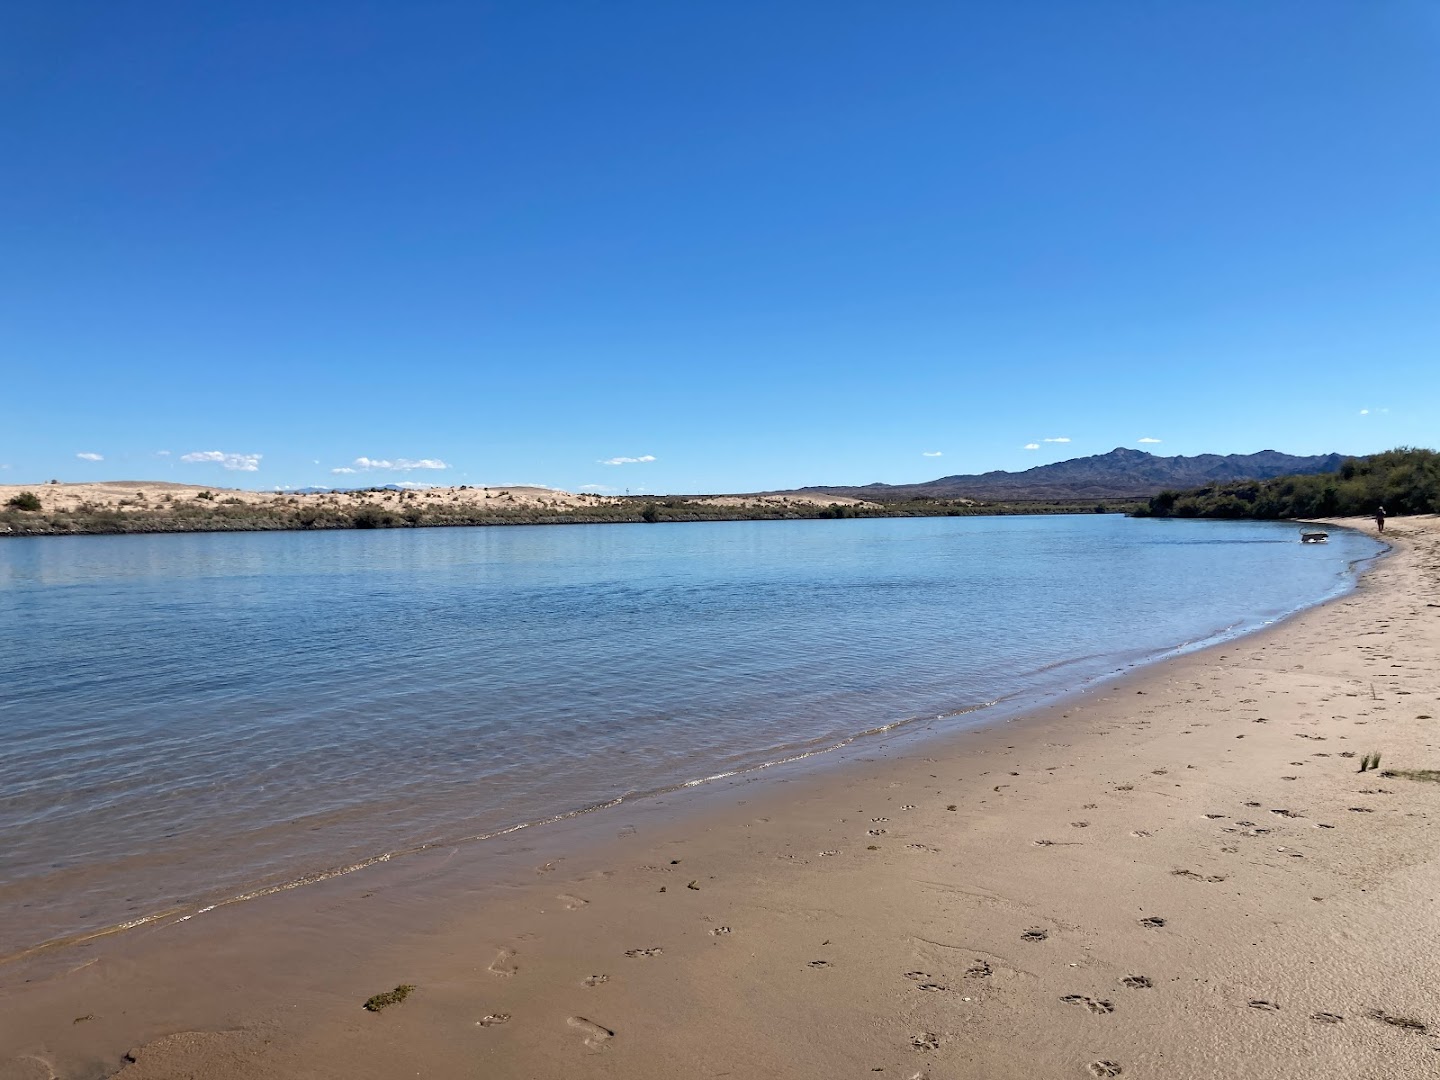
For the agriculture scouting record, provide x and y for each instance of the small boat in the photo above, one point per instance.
(1314, 537)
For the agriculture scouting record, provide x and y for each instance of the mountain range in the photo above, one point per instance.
(1120, 474)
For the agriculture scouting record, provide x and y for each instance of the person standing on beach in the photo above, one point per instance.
(1380, 518)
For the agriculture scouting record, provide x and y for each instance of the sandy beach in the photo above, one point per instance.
(1178, 874)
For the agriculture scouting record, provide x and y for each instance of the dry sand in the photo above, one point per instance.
(140, 495)
(1180, 874)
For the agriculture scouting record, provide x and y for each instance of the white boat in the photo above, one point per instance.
(1314, 537)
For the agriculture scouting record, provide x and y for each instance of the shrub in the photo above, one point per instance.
(26, 500)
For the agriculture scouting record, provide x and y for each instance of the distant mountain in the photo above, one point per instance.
(1120, 474)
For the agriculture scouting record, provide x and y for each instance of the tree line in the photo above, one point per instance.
(1405, 481)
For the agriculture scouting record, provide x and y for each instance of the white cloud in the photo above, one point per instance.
(162, 453)
(1062, 438)
(1147, 439)
(90, 457)
(595, 488)
(1364, 412)
(1032, 446)
(628, 460)
(236, 462)
(932, 453)
(344, 469)
(410, 485)
(365, 464)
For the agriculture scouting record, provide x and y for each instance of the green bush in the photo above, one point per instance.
(26, 500)
(1405, 481)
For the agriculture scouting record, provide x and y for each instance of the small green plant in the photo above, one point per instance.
(207, 496)
(1370, 761)
(390, 997)
(26, 500)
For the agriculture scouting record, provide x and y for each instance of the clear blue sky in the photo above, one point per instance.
(763, 244)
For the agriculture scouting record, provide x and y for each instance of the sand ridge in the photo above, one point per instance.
(1182, 874)
(134, 496)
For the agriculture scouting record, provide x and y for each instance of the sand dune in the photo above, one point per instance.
(1179, 874)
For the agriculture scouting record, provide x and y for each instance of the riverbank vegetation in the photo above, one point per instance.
(1404, 481)
(386, 509)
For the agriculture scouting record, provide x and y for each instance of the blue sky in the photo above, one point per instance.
(709, 246)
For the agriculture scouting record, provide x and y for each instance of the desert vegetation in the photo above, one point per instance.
(126, 510)
(1404, 481)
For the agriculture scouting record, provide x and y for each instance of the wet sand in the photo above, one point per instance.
(1178, 874)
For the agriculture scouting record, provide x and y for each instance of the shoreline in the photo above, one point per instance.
(797, 762)
(273, 987)
(152, 508)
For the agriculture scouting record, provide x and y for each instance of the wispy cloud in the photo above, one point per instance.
(162, 453)
(1367, 412)
(343, 470)
(1062, 438)
(235, 462)
(90, 457)
(365, 464)
(595, 488)
(628, 460)
(932, 453)
(1032, 446)
(1147, 439)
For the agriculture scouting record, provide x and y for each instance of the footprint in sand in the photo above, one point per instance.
(981, 970)
(1137, 982)
(1099, 1008)
(596, 980)
(876, 832)
(572, 903)
(595, 1035)
(1105, 1068)
(921, 847)
(1327, 1017)
(925, 1041)
(492, 1020)
(720, 931)
(1034, 935)
(655, 951)
(1079, 824)
(819, 963)
(504, 963)
(1263, 1005)
(1142, 833)
(1154, 922)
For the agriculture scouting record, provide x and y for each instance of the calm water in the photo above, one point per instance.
(187, 718)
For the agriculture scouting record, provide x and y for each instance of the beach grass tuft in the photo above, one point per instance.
(1370, 761)
(390, 997)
